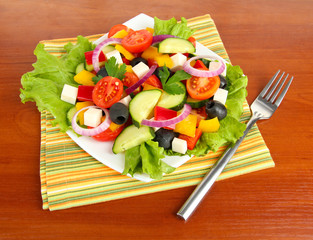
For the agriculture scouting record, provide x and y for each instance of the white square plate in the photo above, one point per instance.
(102, 151)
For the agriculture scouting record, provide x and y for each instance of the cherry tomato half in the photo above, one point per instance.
(153, 81)
(108, 134)
(137, 41)
(130, 79)
(117, 28)
(202, 87)
(107, 92)
(192, 40)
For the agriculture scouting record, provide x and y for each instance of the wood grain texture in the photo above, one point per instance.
(260, 36)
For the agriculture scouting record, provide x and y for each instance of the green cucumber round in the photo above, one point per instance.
(195, 103)
(171, 101)
(176, 45)
(132, 136)
(142, 105)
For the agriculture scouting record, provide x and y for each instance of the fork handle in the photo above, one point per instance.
(200, 191)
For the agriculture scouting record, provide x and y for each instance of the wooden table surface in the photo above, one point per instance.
(260, 36)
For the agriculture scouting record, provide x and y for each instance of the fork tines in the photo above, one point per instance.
(270, 92)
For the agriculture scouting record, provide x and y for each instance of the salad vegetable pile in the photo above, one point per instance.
(145, 90)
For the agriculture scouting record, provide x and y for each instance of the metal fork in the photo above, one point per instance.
(263, 107)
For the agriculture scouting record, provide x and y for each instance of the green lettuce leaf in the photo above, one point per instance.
(163, 27)
(172, 27)
(132, 160)
(182, 30)
(44, 84)
(230, 130)
(146, 158)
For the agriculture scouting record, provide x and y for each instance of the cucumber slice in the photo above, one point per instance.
(108, 48)
(88, 67)
(171, 101)
(176, 45)
(195, 103)
(80, 67)
(132, 136)
(71, 113)
(142, 105)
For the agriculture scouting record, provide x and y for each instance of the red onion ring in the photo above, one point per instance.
(164, 123)
(142, 80)
(160, 38)
(92, 131)
(96, 52)
(204, 73)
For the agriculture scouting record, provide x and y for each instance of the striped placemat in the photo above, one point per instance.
(70, 177)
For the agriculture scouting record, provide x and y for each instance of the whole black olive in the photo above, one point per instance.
(164, 137)
(137, 60)
(102, 72)
(223, 81)
(118, 113)
(215, 109)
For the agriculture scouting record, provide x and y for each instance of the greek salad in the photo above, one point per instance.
(146, 91)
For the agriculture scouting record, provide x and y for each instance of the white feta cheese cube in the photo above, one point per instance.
(92, 117)
(179, 145)
(221, 95)
(140, 69)
(115, 54)
(178, 60)
(216, 65)
(69, 94)
(125, 100)
(224, 72)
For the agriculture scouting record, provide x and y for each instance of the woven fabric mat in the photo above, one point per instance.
(70, 177)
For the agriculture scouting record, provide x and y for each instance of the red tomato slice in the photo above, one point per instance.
(130, 79)
(108, 134)
(202, 87)
(153, 81)
(152, 62)
(137, 41)
(200, 113)
(107, 92)
(192, 40)
(117, 28)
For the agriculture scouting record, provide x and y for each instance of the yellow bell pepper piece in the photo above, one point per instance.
(80, 105)
(120, 34)
(84, 78)
(161, 59)
(150, 53)
(164, 60)
(210, 125)
(150, 30)
(113, 126)
(129, 56)
(187, 126)
(129, 68)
